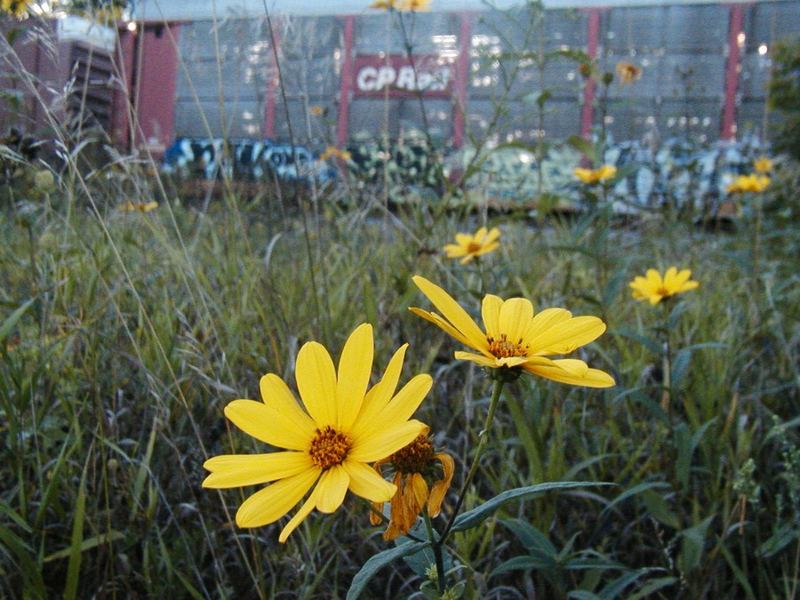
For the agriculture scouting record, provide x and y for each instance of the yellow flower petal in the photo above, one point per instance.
(270, 504)
(331, 489)
(441, 324)
(592, 378)
(490, 312)
(543, 321)
(439, 489)
(276, 394)
(484, 361)
(565, 337)
(453, 312)
(265, 424)
(382, 443)
(454, 251)
(316, 382)
(406, 402)
(235, 470)
(494, 234)
(515, 316)
(299, 516)
(381, 393)
(355, 367)
(366, 482)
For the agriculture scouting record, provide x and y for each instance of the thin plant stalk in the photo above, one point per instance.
(483, 438)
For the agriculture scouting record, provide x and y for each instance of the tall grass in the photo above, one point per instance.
(123, 335)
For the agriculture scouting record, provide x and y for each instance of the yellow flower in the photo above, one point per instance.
(655, 288)
(628, 72)
(316, 110)
(402, 5)
(334, 152)
(515, 338)
(343, 429)
(748, 183)
(130, 206)
(469, 246)
(411, 465)
(17, 8)
(763, 164)
(592, 176)
(413, 5)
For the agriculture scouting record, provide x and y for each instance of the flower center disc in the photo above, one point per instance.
(503, 348)
(473, 247)
(415, 457)
(329, 447)
(663, 291)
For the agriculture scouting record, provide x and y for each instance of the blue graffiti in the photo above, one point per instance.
(252, 160)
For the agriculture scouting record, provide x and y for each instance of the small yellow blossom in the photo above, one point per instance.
(469, 246)
(344, 428)
(748, 183)
(592, 176)
(517, 340)
(763, 164)
(17, 8)
(130, 206)
(654, 288)
(334, 152)
(628, 72)
(402, 5)
(316, 110)
(413, 466)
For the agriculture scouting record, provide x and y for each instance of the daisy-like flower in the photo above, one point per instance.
(413, 5)
(515, 339)
(748, 183)
(17, 8)
(469, 246)
(383, 4)
(599, 175)
(331, 443)
(334, 152)
(130, 206)
(763, 164)
(654, 288)
(628, 72)
(413, 467)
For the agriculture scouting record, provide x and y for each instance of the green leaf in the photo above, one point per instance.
(75, 550)
(480, 513)
(616, 587)
(653, 586)
(693, 543)
(778, 541)
(521, 563)
(378, 562)
(637, 489)
(92, 542)
(686, 447)
(530, 537)
(583, 146)
(659, 509)
(12, 319)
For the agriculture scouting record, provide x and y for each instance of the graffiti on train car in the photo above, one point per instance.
(252, 160)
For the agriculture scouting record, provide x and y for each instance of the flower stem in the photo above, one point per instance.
(441, 576)
(483, 438)
(666, 367)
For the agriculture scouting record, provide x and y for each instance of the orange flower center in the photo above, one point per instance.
(329, 447)
(415, 457)
(502, 347)
(473, 247)
(663, 291)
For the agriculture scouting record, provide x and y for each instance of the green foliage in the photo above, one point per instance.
(784, 96)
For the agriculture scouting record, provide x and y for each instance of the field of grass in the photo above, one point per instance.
(124, 334)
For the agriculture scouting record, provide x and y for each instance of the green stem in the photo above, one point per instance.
(441, 576)
(483, 438)
(666, 367)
